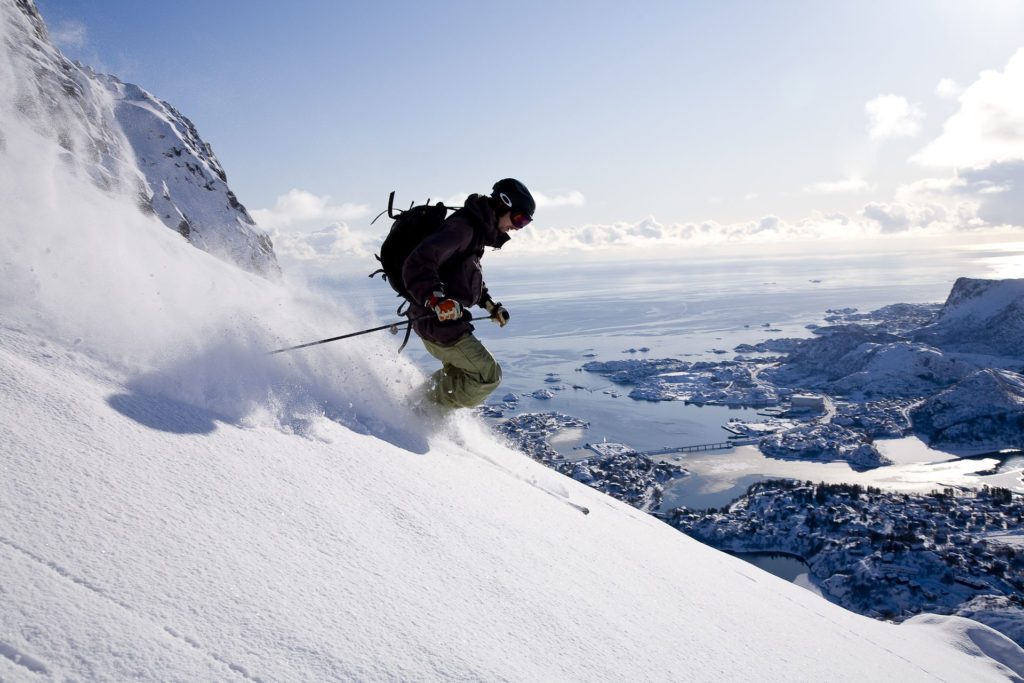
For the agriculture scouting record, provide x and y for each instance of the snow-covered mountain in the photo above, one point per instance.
(852, 360)
(175, 503)
(126, 140)
(980, 316)
(984, 410)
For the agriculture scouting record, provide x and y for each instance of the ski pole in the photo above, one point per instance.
(392, 326)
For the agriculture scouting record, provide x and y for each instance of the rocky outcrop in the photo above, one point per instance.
(189, 190)
(980, 316)
(124, 140)
(985, 410)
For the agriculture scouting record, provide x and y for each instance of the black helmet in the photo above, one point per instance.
(513, 195)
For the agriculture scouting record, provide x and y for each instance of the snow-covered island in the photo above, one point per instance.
(888, 555)
(949, 374)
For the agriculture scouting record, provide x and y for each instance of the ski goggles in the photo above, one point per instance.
(520, 219)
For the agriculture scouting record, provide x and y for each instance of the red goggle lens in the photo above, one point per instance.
(520, 220)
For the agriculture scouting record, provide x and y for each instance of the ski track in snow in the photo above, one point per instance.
(36, 666)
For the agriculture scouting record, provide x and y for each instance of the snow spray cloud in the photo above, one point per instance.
(86, 270)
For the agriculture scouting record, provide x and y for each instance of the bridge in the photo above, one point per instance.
(724, 445)
(609, 449)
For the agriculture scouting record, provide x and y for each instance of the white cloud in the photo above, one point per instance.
(998, 191)
(573, 198)
(300, 206)
(650, 234)
(948, 89)
(327, 245)
(838, 186)
(928, 188)
(892, 116)
(989, 125)
(899, 217)
(983, 197)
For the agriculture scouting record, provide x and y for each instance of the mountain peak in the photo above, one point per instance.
(125, 140)
(980, 316)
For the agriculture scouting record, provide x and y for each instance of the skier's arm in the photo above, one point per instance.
(421, 271)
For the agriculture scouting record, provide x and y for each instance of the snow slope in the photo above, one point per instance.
(152, 529)
(177, 504)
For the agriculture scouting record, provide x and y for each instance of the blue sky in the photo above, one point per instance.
(755, 114)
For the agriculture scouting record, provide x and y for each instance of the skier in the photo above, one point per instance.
(443, 272)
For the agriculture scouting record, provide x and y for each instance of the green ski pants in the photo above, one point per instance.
(467, 376)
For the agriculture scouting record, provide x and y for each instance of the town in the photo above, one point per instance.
(883, 554)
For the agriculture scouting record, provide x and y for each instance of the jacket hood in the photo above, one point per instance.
(481, 211)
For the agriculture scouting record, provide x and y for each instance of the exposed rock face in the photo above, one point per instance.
(984, 410)
(124, 140)
(189, 187)
(980, 316)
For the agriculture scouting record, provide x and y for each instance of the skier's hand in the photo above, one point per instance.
(444, 309)
(498, 313)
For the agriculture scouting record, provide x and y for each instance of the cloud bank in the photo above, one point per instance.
(299, 207)
(328, 245)
(981, 186)
(970, 199)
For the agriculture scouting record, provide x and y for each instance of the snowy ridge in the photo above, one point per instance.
(189, 187)
(126, 141)
(852, 360)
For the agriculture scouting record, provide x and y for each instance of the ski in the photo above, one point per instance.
(576, 506)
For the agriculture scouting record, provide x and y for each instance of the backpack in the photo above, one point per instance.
(410, 227)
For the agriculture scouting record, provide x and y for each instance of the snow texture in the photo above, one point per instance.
(177, 504)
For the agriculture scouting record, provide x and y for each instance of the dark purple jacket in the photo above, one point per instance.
(449, 261)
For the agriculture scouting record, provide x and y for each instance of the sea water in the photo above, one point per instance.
(567, 309)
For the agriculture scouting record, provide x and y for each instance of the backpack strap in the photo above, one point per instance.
(408, 331)
(407, 312)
